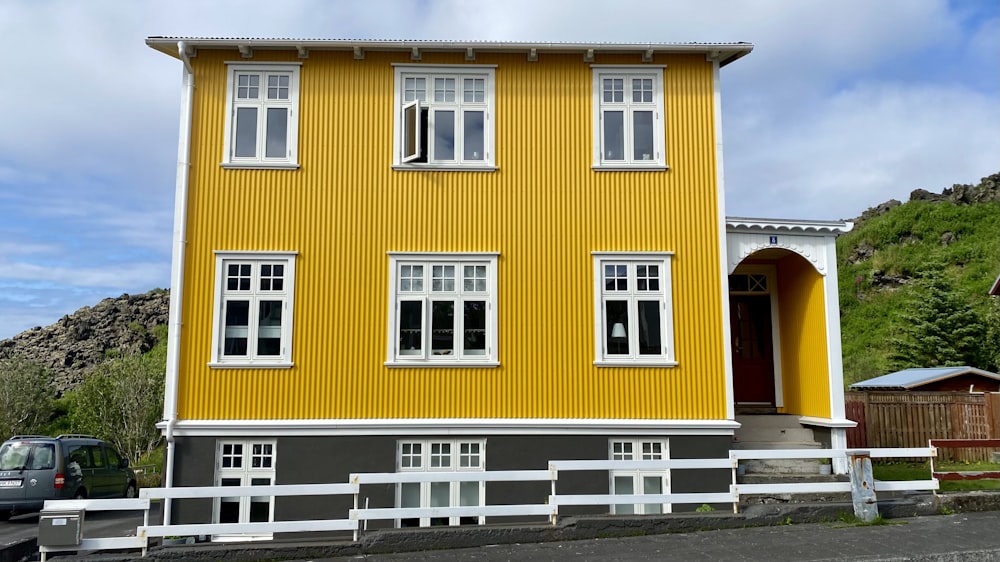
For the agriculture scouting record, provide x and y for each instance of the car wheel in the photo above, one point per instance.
(4, 515)
(81, 494)
(130, 491)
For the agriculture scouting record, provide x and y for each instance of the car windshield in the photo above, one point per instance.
(33, 456)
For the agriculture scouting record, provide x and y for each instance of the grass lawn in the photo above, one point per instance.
(922, 471)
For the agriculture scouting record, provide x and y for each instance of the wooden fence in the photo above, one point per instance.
(912, 418)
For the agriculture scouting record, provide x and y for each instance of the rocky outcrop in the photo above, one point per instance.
(959, 194)
(73, 345)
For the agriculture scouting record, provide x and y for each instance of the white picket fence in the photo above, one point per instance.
(356, 517)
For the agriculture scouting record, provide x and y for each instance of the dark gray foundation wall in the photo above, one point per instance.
(330, 459)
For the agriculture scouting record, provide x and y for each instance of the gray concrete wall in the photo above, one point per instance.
(314, 460)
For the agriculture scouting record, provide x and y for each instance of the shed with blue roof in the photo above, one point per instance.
(934, 379)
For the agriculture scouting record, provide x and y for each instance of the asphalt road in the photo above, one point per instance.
(972, 537)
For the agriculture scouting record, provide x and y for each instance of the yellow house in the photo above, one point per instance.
(466, 256)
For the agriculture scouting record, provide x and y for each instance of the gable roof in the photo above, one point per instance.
(910, 378)
(724, 52)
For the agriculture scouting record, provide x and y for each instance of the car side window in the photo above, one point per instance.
(97, 456)
(80, 456)
(42, 457)
(114, 461)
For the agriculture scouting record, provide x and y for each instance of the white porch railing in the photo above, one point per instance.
(356, 517)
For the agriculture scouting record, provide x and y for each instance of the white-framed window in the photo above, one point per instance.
(443, 117)
(442, 309)
(639, 482)
(262, 115)
(633, 312)
(252, 323)
(628, 117)
(244, 463)
(434, 455)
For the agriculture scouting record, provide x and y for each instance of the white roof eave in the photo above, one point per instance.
(829, 228)
(725, 52)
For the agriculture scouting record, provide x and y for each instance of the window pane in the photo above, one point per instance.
(409, 494)
(615, 277)
(260, 506)
(444, 89)
(229, 507)
(410, 327)
(642, 90)
(624, 486)
(444, 135)
(474, 90)
(246, 132)
(614, 90)
(237, 326)
(650, 340)
(616, 334)
(443, 327)
(652, 485)
(614, 135)
(269, 328)
(475, 328)
(474, 277)
(474, 135)
(468, 493)
(411, 131)
(443, 278)
(414, 89)
(277, 132)
(642, 122)
(277, 87)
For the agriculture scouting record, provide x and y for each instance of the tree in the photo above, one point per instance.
(992, 345)
(26, 395)
(121, 401)
(938, 327)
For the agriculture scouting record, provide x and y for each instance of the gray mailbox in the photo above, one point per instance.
(60, 527)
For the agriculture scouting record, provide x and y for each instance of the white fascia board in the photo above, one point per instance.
(446, 426)
(829, 228)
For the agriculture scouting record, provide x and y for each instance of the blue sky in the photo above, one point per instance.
(841, 106)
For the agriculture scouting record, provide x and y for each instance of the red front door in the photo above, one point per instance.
(753, 358)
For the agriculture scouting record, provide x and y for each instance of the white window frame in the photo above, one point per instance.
(431, 460)
(629, 161)
(223, 295)
(629, 356)
(638, 449)
(408, 113)
(398, 294)
(267, 457)
(263, 71)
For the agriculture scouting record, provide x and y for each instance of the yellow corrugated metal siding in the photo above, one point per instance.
(544, 211)
(804, 351)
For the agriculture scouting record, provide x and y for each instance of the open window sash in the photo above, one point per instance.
(412, 126)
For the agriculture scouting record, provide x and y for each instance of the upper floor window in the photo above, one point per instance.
(444, 117)
(633, 320)
(262, 102)
(253, 310)
(628, 117)
(442, 309)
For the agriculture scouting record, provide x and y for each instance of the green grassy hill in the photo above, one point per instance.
(956, 234)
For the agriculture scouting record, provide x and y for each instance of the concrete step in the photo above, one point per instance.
(745, 445)
(792, 435)
(782, 466)
(777, 421)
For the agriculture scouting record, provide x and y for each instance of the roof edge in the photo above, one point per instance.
(746, 224)
(724, 52)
